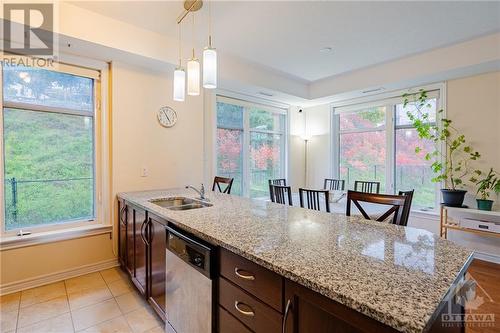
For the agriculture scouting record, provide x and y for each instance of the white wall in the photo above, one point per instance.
(173, 156)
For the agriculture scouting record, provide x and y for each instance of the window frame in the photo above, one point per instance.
(230, 98)
(389, 101)
(384, 128)
(98, 72)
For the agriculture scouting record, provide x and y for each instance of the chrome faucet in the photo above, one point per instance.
(201, 191)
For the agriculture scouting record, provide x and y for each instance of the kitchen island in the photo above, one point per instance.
(378, 277)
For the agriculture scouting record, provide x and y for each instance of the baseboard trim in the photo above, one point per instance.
(487, 257)
(56, 277)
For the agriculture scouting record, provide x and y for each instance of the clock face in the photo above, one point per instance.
(167, 117)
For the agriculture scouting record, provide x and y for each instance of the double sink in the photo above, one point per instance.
(180, 203)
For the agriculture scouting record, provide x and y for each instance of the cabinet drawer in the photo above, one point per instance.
(258, 281)
(258, 316)
(229, 324)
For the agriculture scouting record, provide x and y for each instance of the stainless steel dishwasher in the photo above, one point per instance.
(189, 287)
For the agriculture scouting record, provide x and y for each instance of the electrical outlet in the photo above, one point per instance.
(144, 172)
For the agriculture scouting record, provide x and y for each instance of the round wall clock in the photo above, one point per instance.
(167, 117)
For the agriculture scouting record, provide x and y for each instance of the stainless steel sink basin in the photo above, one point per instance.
(191, 206)
(180, 203)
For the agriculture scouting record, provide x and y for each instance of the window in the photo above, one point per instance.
(251, 141)
(376, 142)
(412, 171)
(49, 158)
(363, 146)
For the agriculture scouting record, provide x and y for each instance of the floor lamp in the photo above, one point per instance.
(306, 139)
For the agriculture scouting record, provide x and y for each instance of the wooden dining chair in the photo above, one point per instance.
(334, 184)
(281, 194)
(397, 203)
(279, 181)
(407, 208)
(367, 187)
(223, 180)
(313, 198)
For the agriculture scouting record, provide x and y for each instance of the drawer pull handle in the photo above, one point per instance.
(245, 277)
(285, 316)
(245, 313)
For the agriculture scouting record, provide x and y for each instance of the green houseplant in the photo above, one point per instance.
(450, 165)
(489, 183)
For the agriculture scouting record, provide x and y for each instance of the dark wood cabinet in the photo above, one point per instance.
(130, 240)
(256, 280)
(307, 311)
(122, 233)
(157, 264)
(133, 243)
(141, 243)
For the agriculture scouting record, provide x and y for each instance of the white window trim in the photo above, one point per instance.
(103, 219)
(250, 101)
(388, 100)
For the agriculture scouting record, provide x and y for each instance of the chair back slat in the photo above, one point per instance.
(366, 186)
(334, 184)
(281, 194)
(278, 181)
(222, 180)
(407, 207)
(313, 199)
(397, 203)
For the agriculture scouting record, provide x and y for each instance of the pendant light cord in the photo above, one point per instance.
(209, 23)
(180, 47)
(193, 35)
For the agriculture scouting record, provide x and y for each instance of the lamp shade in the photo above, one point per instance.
(179, 85)
(209, 68)
(193, 77)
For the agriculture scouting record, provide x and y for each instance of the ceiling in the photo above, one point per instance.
(288, 36)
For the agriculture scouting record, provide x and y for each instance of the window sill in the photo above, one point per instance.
(425, 213)
(13, 242)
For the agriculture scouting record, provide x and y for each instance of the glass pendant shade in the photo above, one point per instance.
(209, 68)
(179, 85)
(193, 76)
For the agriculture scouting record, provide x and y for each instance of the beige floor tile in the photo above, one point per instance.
(157, 330)
(10, 302)
(142, 320)
(120, 287)
(95, 314)
(42, 294)
(112, 274)
(88, 281)
(59, 324)
(41, 311)
(8, 321)
(86, 297)
(118, 325)
(130, 301)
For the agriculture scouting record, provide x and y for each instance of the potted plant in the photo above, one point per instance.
(489, 183)
(451, 165)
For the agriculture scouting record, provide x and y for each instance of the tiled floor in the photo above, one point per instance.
(98, 302)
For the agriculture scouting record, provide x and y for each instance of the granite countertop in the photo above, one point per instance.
(396, 275)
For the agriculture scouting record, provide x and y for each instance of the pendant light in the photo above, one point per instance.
(193, 73)
(179, 76)
(209, 57)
